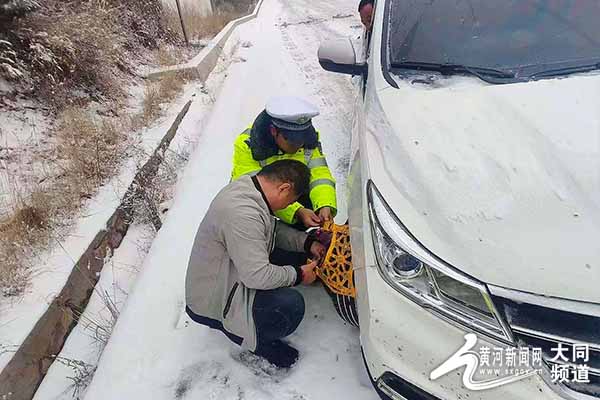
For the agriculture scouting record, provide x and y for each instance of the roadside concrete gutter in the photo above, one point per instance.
(202, 65)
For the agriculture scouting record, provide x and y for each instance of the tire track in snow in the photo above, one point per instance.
(302, 29)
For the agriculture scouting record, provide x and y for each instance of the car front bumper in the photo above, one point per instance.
(403, 342)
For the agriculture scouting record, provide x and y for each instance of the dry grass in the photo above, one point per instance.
(92, 150)
(167, 56)
(23, 231)
(158, 93)
(151, 104)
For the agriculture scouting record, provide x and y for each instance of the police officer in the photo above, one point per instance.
(282, 131)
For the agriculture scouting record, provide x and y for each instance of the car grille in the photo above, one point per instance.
(537, 326)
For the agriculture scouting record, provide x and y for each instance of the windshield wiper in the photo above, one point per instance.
(482, 73)
(566, 70)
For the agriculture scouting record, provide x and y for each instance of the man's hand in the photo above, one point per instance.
(317, 250)
(308, 217)
(325, 214)
(308, 273)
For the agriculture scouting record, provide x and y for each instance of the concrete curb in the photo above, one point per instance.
(202, 65)
(23, 374)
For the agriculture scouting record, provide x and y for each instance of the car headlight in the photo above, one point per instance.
(422, 277)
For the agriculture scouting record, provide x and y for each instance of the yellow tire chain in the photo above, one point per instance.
(336, 268)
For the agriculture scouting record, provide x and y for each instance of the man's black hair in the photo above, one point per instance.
(364, 3)
(289, 171)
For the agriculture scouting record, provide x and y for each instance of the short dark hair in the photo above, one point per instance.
(364, 3)
(289, 171)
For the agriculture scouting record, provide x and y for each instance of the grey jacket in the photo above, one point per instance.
(230, 258)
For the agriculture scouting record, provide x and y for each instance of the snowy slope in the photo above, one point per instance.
(19, 315)
(155, 353)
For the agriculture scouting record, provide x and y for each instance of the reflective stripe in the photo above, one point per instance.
(263, 163)
(307, 156)
(319, 182)
(317, 162)
(251, 173)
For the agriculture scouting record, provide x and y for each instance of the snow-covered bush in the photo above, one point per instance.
(56, 48)
(10, 8)
(9, 67)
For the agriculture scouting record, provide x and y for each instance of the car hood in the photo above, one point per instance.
(500, 181)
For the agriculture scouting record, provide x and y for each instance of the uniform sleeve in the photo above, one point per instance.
(245, 241)
(288, 238)
(288, 214)
(243, 163)
(322, 183)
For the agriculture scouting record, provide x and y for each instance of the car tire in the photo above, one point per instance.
(345, 306)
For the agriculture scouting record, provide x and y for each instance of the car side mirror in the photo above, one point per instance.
(339, 56)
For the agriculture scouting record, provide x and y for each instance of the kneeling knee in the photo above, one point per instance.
(293, 303)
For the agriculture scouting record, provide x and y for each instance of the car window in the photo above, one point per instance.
(515, 35)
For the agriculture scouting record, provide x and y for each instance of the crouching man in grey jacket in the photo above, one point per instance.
(230, 284)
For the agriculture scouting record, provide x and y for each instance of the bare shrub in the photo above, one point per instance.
(92, 148)
(82, 374)
(99, 326)
(151, 104)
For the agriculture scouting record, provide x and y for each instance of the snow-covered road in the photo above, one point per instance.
(155, 353)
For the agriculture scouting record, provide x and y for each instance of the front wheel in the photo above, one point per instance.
(344, 305)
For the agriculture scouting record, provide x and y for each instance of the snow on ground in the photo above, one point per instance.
(155, 351)
(26, 155)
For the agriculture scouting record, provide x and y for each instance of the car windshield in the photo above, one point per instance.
(523, 37)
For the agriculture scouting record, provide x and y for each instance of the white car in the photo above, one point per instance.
(475, 197)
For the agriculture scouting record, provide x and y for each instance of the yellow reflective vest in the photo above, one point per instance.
(322, 183)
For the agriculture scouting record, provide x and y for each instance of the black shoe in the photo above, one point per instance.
(278, 353)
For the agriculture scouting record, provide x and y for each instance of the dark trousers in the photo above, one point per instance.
(277, 314)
